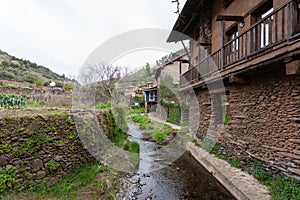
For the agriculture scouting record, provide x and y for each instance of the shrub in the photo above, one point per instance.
(159, 137)
(68, 88)
(39, 83)
(133, 147)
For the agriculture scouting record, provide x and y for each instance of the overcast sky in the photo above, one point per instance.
(60, 34)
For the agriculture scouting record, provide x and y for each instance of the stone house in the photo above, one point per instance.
(253, 47)
(173, 68)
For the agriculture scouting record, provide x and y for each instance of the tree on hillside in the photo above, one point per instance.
(148, 69)
(103, 77)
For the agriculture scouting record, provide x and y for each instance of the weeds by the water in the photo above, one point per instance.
(136, 111)
(158, 130)
(280, 187)
(80, 179)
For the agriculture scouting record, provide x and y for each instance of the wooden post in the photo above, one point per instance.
(180, 72)
(223, 26)
(293, 26)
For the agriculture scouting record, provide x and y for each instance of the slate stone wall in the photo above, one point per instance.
(264, 111)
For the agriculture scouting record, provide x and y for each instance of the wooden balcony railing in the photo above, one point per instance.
(273, 29)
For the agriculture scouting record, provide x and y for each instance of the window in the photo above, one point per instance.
(232, 36)
(264, 29)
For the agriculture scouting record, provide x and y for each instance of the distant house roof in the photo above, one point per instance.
(150, 89)
(178, 58)
(186, 21)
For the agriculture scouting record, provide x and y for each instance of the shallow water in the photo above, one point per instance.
(183, 179)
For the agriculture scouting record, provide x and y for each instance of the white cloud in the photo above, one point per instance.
(60, 34)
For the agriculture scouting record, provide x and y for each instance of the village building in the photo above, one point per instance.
(254, 46)
(150, 96)
(170, 70)
(173, 68)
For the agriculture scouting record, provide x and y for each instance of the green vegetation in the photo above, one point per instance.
(148, 69)
(11, 101)
(207, 145)
(140, 119)
(259, 173)
(136, 111)
(133, 147)
(226, 119)
(159, 136)
(104, 105)
(80, 179)
(8, 179)
(169, 92)
(140, 100)
(39, 83)
(156, 130)
(280, 187)
(190, 138)
(11, 86)
(52, 165)
(120, 114)
(39, 103)
(68, 88)
(234, 163)
(174, 115)
(25, 71)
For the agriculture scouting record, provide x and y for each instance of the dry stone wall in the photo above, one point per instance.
(264, 122)
(41, 147)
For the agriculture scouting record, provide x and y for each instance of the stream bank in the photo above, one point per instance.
(183, 179)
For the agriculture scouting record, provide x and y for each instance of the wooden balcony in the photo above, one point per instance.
(275, 29)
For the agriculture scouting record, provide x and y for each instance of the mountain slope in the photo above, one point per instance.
(15, 69)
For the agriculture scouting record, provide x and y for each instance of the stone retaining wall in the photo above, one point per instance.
(41, 147)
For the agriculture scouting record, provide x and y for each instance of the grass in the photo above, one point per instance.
(140, 119)
(31, 103)
(159, 136)
(103, 105)
(281, 188)
(79, 178)
(136, 111)
(156, 130)
(234, 163)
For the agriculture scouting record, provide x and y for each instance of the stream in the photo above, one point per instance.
(183, 179)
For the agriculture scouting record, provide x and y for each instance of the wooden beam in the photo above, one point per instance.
(293, 68)
(189, 22)
(229, 18)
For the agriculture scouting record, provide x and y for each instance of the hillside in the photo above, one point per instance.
(139, 77)
(16, 69)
